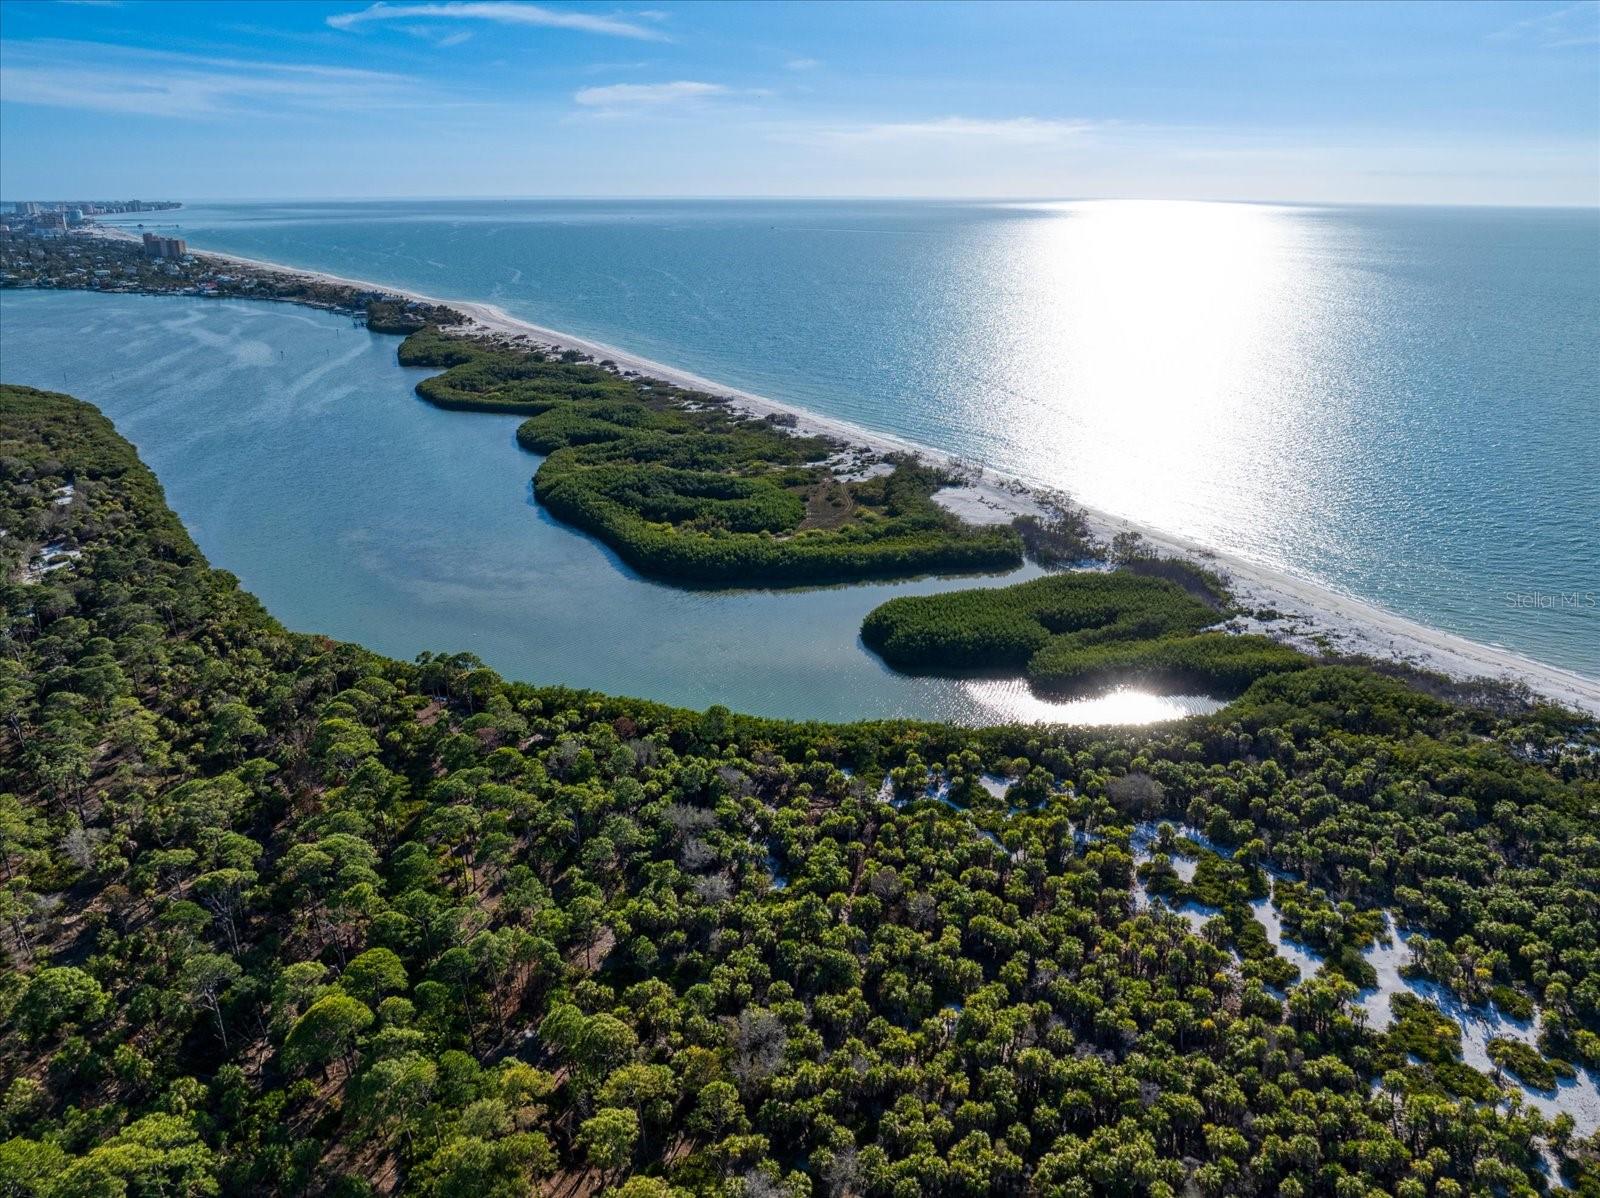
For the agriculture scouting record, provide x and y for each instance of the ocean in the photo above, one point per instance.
(1402, 404)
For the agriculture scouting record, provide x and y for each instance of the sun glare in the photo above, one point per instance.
(1159, 358)
(1010, 701)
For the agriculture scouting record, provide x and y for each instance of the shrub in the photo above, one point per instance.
(59, 996)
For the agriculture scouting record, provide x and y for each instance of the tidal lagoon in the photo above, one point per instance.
(290, 442)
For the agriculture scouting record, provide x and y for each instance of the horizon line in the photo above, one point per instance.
(1593, 206)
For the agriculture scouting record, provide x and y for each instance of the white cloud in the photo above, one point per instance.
(619, 96)
(1575, 25)
(499, 13)
(103, 78)
(803, 64)
(1018, 131)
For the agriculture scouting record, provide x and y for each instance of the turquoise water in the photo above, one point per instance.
(294, 449)
(1403, 404)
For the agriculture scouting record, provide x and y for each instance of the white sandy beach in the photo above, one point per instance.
(1313, 615)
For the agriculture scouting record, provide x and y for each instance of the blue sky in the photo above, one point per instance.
(1409, 103)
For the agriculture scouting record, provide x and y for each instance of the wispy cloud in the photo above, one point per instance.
(1575, 25)
(1017, 131)
(105, 78)
(439, 37)
(503, 14)
(611, 67)
(803, 64)
(617, 97)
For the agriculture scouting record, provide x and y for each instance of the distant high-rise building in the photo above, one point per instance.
(156, 246)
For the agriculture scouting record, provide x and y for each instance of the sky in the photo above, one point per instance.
(1476, 103)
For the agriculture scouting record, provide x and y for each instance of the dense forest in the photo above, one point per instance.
(285, 916)
(1073, 634)
(683, 487)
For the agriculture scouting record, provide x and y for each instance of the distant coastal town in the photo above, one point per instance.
(54, 217)
(97, 258)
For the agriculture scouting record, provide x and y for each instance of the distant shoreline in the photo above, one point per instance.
(1312, 616)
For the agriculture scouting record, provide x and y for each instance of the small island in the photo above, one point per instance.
(1075, 633)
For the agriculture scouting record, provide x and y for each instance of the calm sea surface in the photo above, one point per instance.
(1403, 404)
(292, 445)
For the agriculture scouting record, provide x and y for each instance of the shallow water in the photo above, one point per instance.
(294, 449)
(1401, 403)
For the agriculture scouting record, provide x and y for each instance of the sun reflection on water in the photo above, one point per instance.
(1168, 363)
(1010, 701)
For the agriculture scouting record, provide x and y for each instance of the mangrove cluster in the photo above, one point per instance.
(684, 488)
(283, 916)
(1075, 633)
